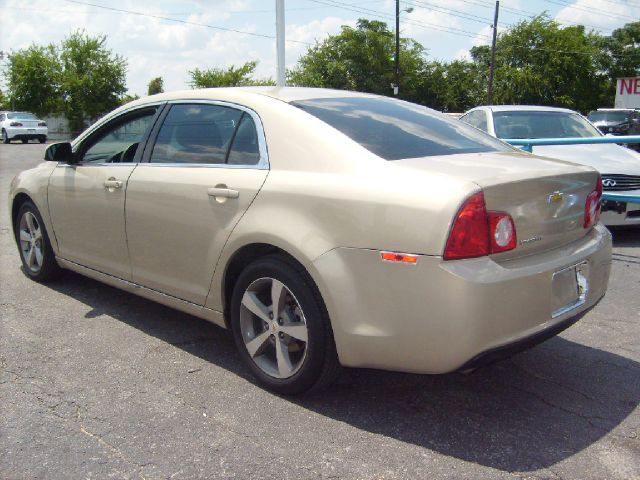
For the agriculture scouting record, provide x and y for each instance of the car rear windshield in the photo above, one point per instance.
(532, 124)
(618, 117)
(394, 129)
(21, 116)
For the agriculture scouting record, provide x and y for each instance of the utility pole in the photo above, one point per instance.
(396, 86)
(493, 54)
(280, 42)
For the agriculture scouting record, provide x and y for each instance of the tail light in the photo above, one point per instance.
(15, 124)
(477, 232)
(42, 124)
(592, 205)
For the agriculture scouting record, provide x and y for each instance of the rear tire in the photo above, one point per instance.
(290, 349)
(5, 137)
(24, 140)
(38, 260)
(42, 139)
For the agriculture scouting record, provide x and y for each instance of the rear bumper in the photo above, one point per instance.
(20, 133)
(438, 317)
(505, 351)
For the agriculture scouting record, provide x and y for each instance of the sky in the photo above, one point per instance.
(170, 37)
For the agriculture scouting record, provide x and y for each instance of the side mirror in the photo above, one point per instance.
(59, 152)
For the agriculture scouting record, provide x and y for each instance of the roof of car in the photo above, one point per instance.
(524, 108)
(286, 94)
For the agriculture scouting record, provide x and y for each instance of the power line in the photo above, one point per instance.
(590, 10)
(384, 15)
(185, 22)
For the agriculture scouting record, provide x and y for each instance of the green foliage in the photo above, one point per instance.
(33, 78)
(156, 85)
(4, 101)
(622, 49)
(93, 78)
(539, 62)
(362, 59)
(80, 77)
(128, 98)
(229, 77)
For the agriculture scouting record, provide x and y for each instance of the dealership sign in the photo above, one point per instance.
(628, 92)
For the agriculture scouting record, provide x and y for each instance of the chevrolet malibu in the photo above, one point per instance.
(324, 228)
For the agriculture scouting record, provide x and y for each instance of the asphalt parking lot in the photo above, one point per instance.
(97, 383)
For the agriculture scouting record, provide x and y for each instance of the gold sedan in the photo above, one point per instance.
(324, 228)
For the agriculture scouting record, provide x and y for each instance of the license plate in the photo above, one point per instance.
(31, 130)
(569, 288)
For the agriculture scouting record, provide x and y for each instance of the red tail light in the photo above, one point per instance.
(476, 232)
(592, 205)
(42, 124)
(15, 124)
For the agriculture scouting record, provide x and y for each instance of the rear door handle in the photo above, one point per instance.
(111, 184)
(220, 192)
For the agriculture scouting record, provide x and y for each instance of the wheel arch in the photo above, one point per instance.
(245, 255)
(17, 202)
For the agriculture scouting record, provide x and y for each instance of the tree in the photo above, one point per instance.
(362, 59)
(156, 85)
(622, 48)
(540, 62)
(4, 101)
(229, 77)
(33, 78)
(93, 78)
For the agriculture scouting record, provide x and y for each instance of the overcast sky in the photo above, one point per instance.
(220, 33)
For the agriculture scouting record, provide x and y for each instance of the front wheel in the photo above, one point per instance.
(38, 259)
(281, 327)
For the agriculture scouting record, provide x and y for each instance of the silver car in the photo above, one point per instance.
(618, 166)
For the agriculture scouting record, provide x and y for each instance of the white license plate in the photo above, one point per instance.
(569, 288)
(31, 130)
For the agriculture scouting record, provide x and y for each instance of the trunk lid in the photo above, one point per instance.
(546, 198)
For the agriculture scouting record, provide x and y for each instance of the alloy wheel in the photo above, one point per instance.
(31, 242)
(273, 328)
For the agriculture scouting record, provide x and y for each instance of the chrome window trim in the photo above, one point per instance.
(263, 163)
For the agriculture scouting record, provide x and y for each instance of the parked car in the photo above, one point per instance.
(324, 228)
(618, 166)
(22, 126)
(616, 121)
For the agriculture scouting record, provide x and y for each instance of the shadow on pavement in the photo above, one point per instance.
(523, 414)
(625, 236)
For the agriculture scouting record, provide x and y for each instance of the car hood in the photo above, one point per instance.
(606, 158)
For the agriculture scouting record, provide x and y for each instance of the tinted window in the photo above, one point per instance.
(245, 149)
(22, 116)
(521, 124)
(476, 119)
(119, 141)
(609, 116)
(196, 133)
(394, 129)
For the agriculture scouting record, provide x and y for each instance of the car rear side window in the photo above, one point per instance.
(245, 149)
(196, 133)
(394, 129)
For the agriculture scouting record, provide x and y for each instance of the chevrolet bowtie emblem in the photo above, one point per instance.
(556, 197)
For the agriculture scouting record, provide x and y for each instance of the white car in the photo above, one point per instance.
(618, 166)
(23, 126)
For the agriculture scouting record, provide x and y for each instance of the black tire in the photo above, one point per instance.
(24, 140)
(5, 137)
(42, 139)
(49, 268)
(320, 366)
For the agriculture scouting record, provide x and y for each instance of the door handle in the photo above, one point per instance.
(112, 184)
(223, 192)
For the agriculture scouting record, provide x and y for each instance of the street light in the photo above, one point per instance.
(396, 85)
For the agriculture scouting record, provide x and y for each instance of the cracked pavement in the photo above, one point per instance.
(97, 383)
